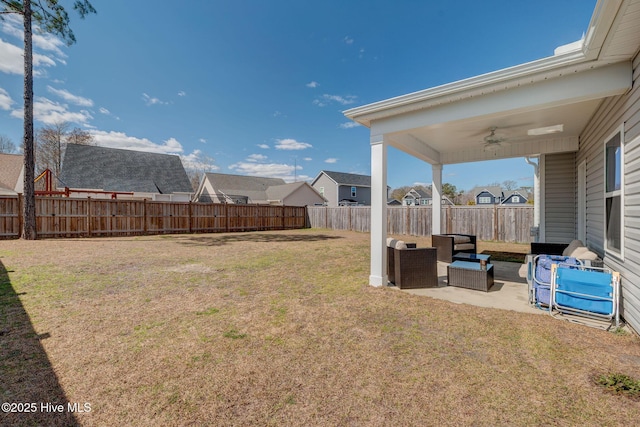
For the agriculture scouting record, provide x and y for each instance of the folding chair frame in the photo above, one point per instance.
(614, 298)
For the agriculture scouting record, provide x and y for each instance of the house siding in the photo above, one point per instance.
(330, 189)
(363, 194)
(613, 112)
(560, 197)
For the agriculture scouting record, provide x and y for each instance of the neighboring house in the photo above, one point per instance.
(580, 133)
(418, 197)
(241, 189)
(488, 195)
(515, 197)
(146, 175)
(11, 174)
(394, 202)
(344, 189)
(497, 196)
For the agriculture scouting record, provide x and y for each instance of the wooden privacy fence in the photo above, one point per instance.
(64, 217)
(499, 223)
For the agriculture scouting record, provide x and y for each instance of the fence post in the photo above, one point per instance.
(144, 216)
(495, 223)
(226, 217)
(190, 218)
(89, 217)
(407, 222)
(20, 214)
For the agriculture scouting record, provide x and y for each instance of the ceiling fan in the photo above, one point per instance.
(493, 141)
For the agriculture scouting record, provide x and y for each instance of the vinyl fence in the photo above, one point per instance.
(498, 223)
(64, 217)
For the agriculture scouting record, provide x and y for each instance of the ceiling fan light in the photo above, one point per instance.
(545, 130)
(491, 147)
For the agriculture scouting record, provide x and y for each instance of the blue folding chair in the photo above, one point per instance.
(539, 276)
(588, 292)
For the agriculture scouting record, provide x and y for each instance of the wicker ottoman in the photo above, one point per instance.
(470, 275)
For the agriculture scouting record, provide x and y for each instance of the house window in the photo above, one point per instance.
(515, 199)
(484, 199)
(322, 191)
(353, 191)
(613, 187)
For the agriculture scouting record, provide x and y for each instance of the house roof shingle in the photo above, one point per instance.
(222, 181)
(342, 178)
(113, 169)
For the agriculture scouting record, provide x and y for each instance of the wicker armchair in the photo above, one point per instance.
(414, 268)
(450, 244)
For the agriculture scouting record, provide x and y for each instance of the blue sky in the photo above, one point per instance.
(260, 86)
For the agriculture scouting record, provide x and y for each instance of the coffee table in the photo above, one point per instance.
(470, 275)
(464, 256)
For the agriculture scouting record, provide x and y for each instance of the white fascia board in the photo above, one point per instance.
(614, 79)
(460, 89)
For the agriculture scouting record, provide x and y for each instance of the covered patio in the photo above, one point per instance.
(537, 111)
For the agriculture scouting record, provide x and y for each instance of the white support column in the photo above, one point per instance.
(536, 195)
(378, 276)
(436, 199)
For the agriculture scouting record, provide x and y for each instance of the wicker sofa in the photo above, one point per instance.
(410, 267)
(450, 244)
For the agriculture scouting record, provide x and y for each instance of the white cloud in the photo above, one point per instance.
(204, 141)
(291, 144)
(256, 158)
(152, 101)
(307, 159)
(348, 125)
(49, 112)
(182, 93)
(313, 84)
(348, 40)
(12, 61)
(331, 160)
(269, 170)
(327, 99)
(114, 139)
(198, 161)
(5, 100)
(69, 97)
(263, 146)
(104, 111)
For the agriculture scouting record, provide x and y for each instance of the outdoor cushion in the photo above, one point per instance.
(400, 244)
(464, 246)
(584, 253)
(572, 247)
(391, 242)
(461, 239)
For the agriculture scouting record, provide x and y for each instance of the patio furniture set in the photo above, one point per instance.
(567, 280)
(412, 267)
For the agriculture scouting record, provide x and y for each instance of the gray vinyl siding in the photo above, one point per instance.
(363, 194)
(613, 112)
(560, 197)
(330, 189)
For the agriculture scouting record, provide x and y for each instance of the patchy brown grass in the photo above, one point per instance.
(280, 328)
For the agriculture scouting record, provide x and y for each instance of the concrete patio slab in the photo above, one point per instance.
(509, 291)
